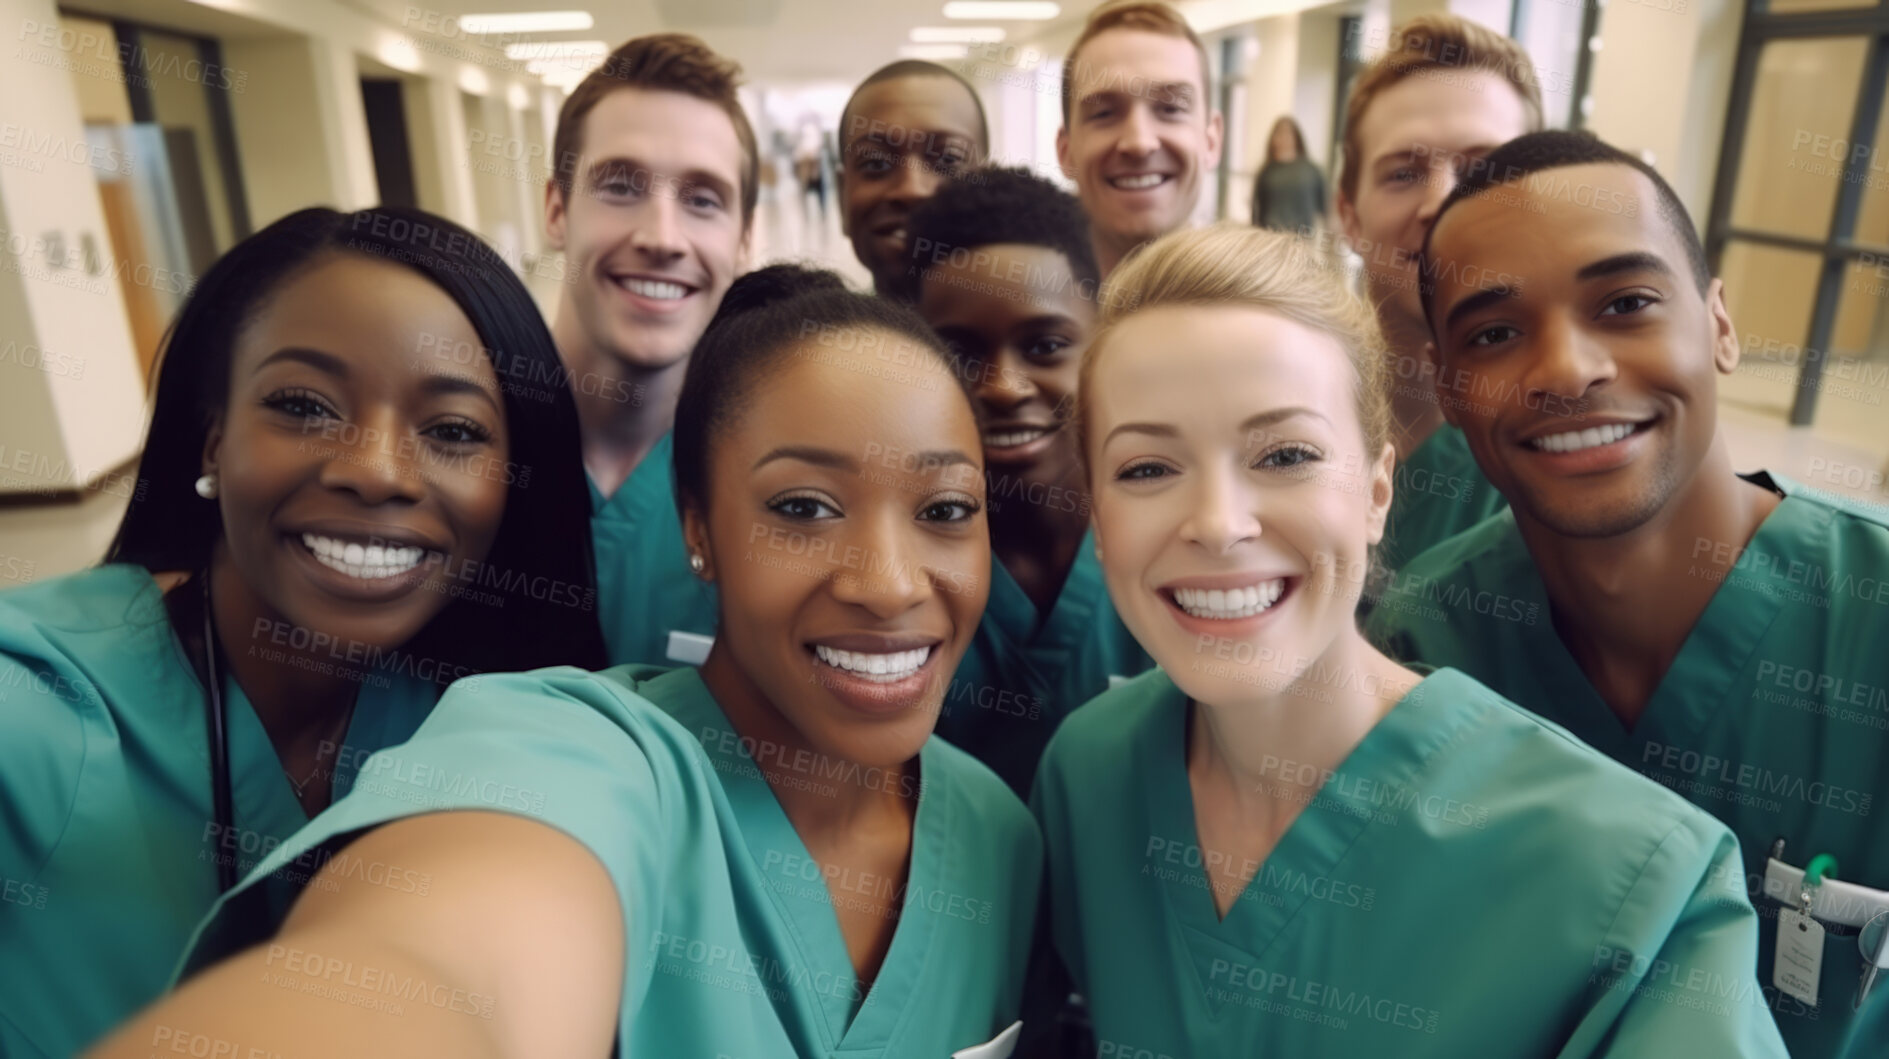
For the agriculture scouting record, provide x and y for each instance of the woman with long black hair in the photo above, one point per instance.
(361, 482)
(766, 856)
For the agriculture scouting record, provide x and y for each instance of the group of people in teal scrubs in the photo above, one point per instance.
(973, 668)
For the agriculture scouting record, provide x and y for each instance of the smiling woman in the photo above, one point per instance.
(1305, 809)
(332, 522)
(768, 856)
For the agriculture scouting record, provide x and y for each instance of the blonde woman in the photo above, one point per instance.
(1282, 842)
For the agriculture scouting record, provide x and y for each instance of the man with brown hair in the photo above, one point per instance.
(1445, 93)
(651, 199)
(1139, 127)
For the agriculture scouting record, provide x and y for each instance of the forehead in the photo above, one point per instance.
(1444, 109)
(669, 131)
(1116, 60)
(1214, 365)
(989, 287)
(917, 103)
(849, 388)
(391, 310)
(1547, 225)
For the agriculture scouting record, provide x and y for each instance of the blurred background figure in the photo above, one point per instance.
(810, 167)
(1289, 193)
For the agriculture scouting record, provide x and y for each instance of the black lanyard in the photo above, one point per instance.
(219, 749)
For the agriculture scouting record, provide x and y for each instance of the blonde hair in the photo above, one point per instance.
(1239, 265)
(1435, 42)
(1147, 16)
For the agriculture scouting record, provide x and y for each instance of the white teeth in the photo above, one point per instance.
(1576, 440)
(878, 668)
(899, 234)
(368, 562)
(1232, 603)
(656, 289)
(1012, 438)
(1137, 183)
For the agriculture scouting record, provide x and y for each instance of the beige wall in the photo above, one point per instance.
(71, 400)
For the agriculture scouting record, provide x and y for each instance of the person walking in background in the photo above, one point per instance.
(1289, 192)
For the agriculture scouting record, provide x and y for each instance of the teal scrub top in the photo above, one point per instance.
(108, 835)
(733, 946)
(645, 589)
(1437, 493)
(1469, 882)
(1024, 673)
(1774, 716)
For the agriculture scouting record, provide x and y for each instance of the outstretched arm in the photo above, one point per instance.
(516, 949)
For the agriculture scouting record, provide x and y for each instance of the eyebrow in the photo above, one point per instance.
(1634, 261)
(1477, 302)
(841, 461)
(1256, 422)
(442, 384)
(1181, 91)
(690, 177)
(314, 358)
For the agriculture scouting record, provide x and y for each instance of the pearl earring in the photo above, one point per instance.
(697, 563)
(206, 487)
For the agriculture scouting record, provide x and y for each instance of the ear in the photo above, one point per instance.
(212, 446)
(695, 538)
(1348, 219)
(1383, 473)
(1216, 133)
(1062, 152)
(554, 215)
(744, 254)
(1725, 348)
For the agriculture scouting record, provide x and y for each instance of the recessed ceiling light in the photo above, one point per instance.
(527, 22)
(957, 34)
(1002, 10)
(934, 51)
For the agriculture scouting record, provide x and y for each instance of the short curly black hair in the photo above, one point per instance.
(996, 204)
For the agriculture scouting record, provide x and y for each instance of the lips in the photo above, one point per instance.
(365, 563)
(1579, 440)
(654, 292)
(1139, 181)
(873, 673)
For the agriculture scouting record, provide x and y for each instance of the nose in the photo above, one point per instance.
(881, 571)
(375, 460)
(916, 181)
(1137, 137)
(658, 233)
(1001, 385)
(1224, 513)
(1567, 361)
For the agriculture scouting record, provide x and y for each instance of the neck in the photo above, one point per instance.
(1625, 604)
(1415, 414)
(1258, 749)
(831, 806)
(623, 409)
(304, 712)
(1110, 248)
